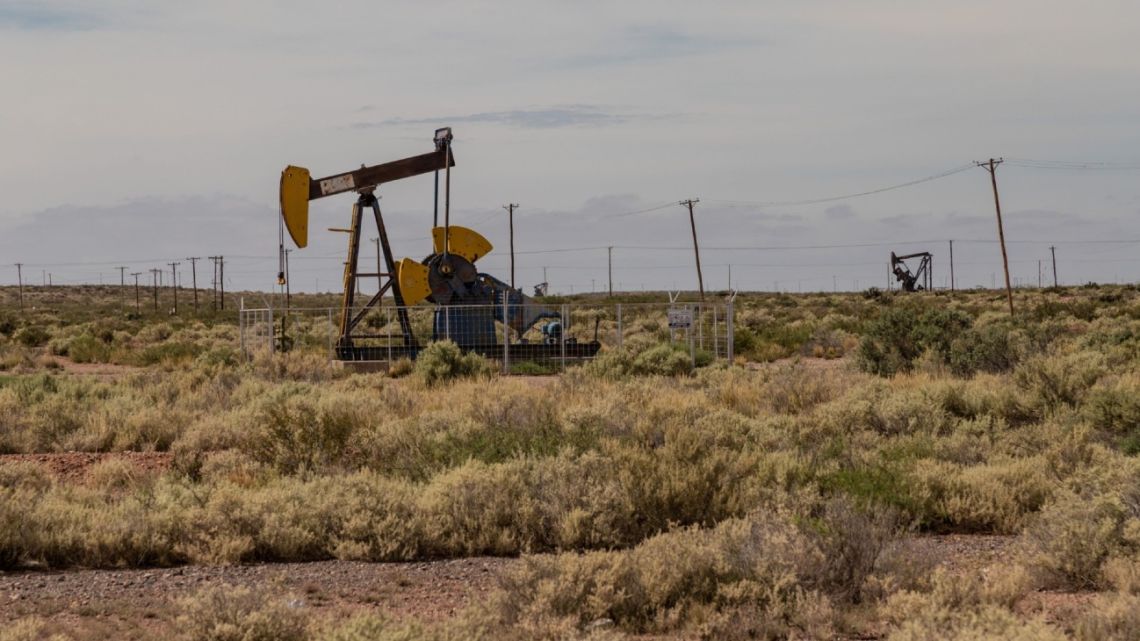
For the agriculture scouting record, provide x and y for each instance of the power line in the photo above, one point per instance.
(1081, 165)
(816, 201)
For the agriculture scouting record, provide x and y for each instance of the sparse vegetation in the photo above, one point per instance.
(659, 491)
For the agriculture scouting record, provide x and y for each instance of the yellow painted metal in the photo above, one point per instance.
(413, 279)
(462, 241)
(294, 195)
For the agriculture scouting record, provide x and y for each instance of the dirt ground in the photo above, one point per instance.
(130, 603)
(134, 603)
(73, 467)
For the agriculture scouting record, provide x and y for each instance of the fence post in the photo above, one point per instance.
(729, 329)
(689, 333)
(619, 329)
(701, 325)
(716, 342)
(562, 336)
(241, 329)
(271, 341)
(506, 338)
(388, 331)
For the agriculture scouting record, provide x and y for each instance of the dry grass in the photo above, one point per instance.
(719, 501)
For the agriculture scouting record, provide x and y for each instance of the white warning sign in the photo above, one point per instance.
(680, 318)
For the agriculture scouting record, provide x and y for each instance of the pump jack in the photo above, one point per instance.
(468, 302)
(920, 279)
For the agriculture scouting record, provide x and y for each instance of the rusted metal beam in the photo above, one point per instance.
(367, 177)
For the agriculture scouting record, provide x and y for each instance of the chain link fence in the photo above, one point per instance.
(552, 337)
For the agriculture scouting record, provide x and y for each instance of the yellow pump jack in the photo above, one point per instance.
(298, 187)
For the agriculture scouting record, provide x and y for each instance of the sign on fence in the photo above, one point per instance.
(680, 318)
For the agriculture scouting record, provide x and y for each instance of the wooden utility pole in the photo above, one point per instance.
(174, 283)
(1038, 273)
(194, 278)
(20, 280)
(610, 265)
(1053, 251)
(136, 275)
(155, 273)
(696, 249)
(214, 282)
(991, 166)
(122, 288)
(951, 265)
(511, 207)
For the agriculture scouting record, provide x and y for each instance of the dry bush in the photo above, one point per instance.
(789, 574)
(1111, 617)
(231, 613)
(1060, 380)
(1080, 542)
(28, 629)
(965, 607)
(443, 361)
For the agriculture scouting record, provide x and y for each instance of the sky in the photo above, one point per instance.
(141, 133)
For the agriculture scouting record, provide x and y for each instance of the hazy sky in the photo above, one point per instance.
(135, 133)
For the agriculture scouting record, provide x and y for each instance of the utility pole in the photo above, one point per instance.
(696, 250)
(991, 167)
(155, 273)
(219, 282)
(951, 265)
(20, 280)
(510, 216)
(136, 275)
(174, 283)
(122, 288)
(194, 278)
(610, 265)
(214, 282)
(1053, 251)
(1038, 273)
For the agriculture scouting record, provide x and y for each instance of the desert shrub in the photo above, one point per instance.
(8, 325)
(892, 342)
(1075, 537)
(85, 348)
(1114, 407)
(28, 629)
(401, 367)
(765, 563)
(660, 359)
(987, 349)
(239, 614)
(443, 361)
(32, 336)
(1110, 617)
(663, 360)
(1056, 381)
(965, 607)
(169, 352)
(294, 432)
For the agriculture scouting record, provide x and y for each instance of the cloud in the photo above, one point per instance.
(639, 43)
(539, 118)
(34, 16)
(839, 212)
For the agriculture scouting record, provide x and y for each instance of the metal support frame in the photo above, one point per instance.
(387, 281)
